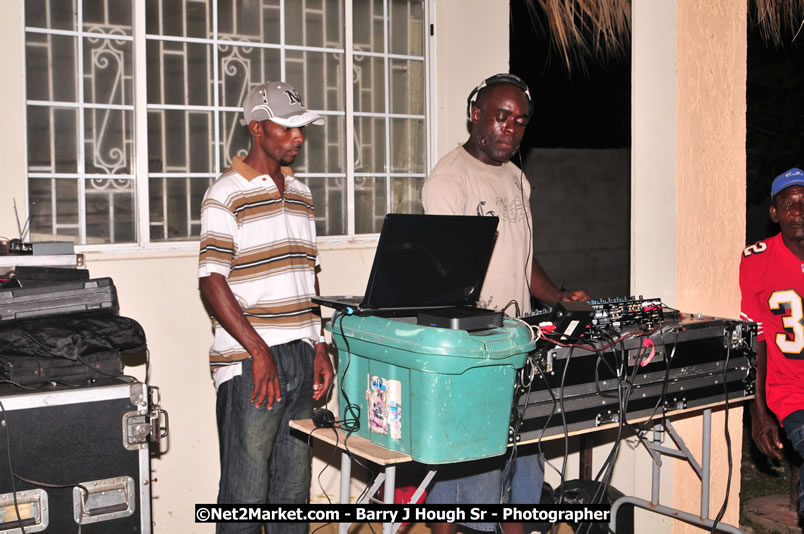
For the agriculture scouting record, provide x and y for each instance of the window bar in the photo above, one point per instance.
(141, 184)
(209, 40)
(410, 188)
(82, 203)
(51, 124)
(81, 33)
(387, 96)
(217, 146)
(327, 209)
(187, 115)
(430, 109)
(305, 13)
(325, 202)
(52, 128)
(162, 125)
(27, 199)
(349, 118)
(112, 226)
(75, 105)
(282, 51)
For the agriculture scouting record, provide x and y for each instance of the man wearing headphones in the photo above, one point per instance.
(478, 178)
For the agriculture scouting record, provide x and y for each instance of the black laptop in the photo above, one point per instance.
(425, 262)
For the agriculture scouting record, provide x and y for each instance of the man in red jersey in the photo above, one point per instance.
(772, 287)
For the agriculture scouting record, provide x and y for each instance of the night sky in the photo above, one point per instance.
(577, 109)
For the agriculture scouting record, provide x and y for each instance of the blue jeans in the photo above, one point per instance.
(794, 427)
(260, 461)
(486, 481)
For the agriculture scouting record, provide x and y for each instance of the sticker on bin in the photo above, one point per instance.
(385, 406)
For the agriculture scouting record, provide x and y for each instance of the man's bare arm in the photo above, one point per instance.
(545, 290)
(224, 306)
(764, 428)
(323, 374)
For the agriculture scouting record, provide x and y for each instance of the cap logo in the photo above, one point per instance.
(293, 97)
(790, 177)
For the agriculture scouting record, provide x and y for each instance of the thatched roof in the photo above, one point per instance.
(779, 21)
(584, 30)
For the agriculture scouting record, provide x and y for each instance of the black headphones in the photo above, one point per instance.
(503, 77)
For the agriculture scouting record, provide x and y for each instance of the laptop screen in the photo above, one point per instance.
(430, 260)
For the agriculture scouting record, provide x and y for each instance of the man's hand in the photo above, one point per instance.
(266, 380)
(545, 291)
(574, 295)
(323, 375)
(218, 295)
(765, 431)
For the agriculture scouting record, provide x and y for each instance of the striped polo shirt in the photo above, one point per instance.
(265, 247)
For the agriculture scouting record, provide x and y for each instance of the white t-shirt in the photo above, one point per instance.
(460, 184)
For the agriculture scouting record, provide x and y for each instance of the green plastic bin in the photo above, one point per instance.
(436, 394)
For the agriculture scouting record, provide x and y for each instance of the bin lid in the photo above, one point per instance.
(401, 342)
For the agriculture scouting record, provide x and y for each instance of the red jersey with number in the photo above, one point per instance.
(772, 286)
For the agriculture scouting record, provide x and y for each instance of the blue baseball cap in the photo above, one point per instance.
(794, 176)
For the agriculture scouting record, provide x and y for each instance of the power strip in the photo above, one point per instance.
(17, 246)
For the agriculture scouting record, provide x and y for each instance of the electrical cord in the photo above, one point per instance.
(528, 265)
(327, 464)
(625, 386)
(623, 392)
(722, 510)
(95, 369)
(612, 371)
(644, 426)
(23, 386)
(631, 333)
(351, 422)
(553, 409)
(629, 385)
(509, 468)
(627, 373)
(564, 424)
(516, 307)
(603, 477)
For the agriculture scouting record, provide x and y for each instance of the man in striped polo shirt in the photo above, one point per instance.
(257, 274)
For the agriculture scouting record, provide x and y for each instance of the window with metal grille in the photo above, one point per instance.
(133, 109)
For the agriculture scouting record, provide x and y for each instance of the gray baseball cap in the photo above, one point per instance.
(278, 102)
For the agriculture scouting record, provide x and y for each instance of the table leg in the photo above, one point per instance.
(388, 494)
(346, 480)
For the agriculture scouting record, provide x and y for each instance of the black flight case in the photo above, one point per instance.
(78, 458)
